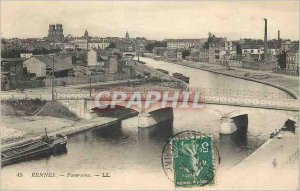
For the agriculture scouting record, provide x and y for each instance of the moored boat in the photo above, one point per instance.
(32, 149)
(181, 77)
(163, 71)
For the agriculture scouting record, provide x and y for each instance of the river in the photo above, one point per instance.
(131, 157)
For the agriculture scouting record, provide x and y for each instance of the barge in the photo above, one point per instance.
(163, 71)
(32, 149)
(181, 77)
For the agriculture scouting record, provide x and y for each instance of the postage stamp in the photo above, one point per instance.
(189, 160)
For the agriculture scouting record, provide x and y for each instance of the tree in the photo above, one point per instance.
(112, 45)
(238, 49)
(281, 60)
(151, 45)
(185, 53)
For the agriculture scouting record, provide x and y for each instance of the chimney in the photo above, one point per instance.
(266, 39)
(279, 35)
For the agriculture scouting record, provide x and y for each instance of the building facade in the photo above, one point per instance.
(292, 61)
(25, 55)
(97, 45)
(185, 43)
(41, 65)
(201, 55)
(125, 45)
(81, 43)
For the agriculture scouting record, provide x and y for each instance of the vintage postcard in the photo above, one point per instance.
(149, 95)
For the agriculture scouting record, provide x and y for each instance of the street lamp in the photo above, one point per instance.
(52, 80)
(138, 52)
(90, 86)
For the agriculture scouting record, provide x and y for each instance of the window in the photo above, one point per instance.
(252, 51)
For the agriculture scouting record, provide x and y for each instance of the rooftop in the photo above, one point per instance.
(60, 62)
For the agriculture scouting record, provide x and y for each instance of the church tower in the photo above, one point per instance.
(86, 34)
(127, 35)
(51, 33)
(55, 33)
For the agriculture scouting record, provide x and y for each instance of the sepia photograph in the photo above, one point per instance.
(149, 95)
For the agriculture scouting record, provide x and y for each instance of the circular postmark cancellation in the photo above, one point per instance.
(190, 159)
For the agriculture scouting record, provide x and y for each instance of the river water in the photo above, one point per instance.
(133, 158)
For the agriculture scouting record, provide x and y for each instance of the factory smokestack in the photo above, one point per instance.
(266, 39)
(278, 35)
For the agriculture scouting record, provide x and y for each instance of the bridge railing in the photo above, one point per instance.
(242, 93)
(202, 91)
(208, 91)
(263, 100)
(283, 104)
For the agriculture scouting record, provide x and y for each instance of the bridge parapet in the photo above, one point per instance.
(263, 100)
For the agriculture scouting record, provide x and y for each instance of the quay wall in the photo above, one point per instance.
(287, 90)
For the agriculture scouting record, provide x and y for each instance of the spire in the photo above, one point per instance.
(86, 34)
(127, 35)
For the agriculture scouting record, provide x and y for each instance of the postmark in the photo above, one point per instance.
(190, 159)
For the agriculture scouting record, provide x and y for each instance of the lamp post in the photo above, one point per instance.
(52, 80)
(90, 86)
(138, 52)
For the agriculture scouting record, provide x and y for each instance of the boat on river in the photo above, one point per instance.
(32, 149)
(181, 77)
(163, 71)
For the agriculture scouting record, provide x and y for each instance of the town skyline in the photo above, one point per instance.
(152, 20)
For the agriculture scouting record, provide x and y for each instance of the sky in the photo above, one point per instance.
(153, 20)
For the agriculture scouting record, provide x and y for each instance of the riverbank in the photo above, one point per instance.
(22, 120)
(35, 129)
(276, 159)
(288, 84)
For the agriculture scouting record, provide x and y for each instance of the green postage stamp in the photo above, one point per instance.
(193, 161)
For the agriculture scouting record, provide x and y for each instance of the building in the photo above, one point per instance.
(93, 57)
(25, 55)
(111, 66)
(179, 54)
(216, 50)
(80, 43)
(98, 44)
(69, 46)
(41, 65)
(11, 72)
(185, 43)
(55, 33)
(286, 45)
(200, 55)
(255, 51)
(125, 45)
(11, 68)
(292, 60)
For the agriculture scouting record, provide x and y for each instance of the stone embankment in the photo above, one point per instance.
(51, 115)
(285, 83)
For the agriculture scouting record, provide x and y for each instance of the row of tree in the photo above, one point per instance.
(15, 53)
